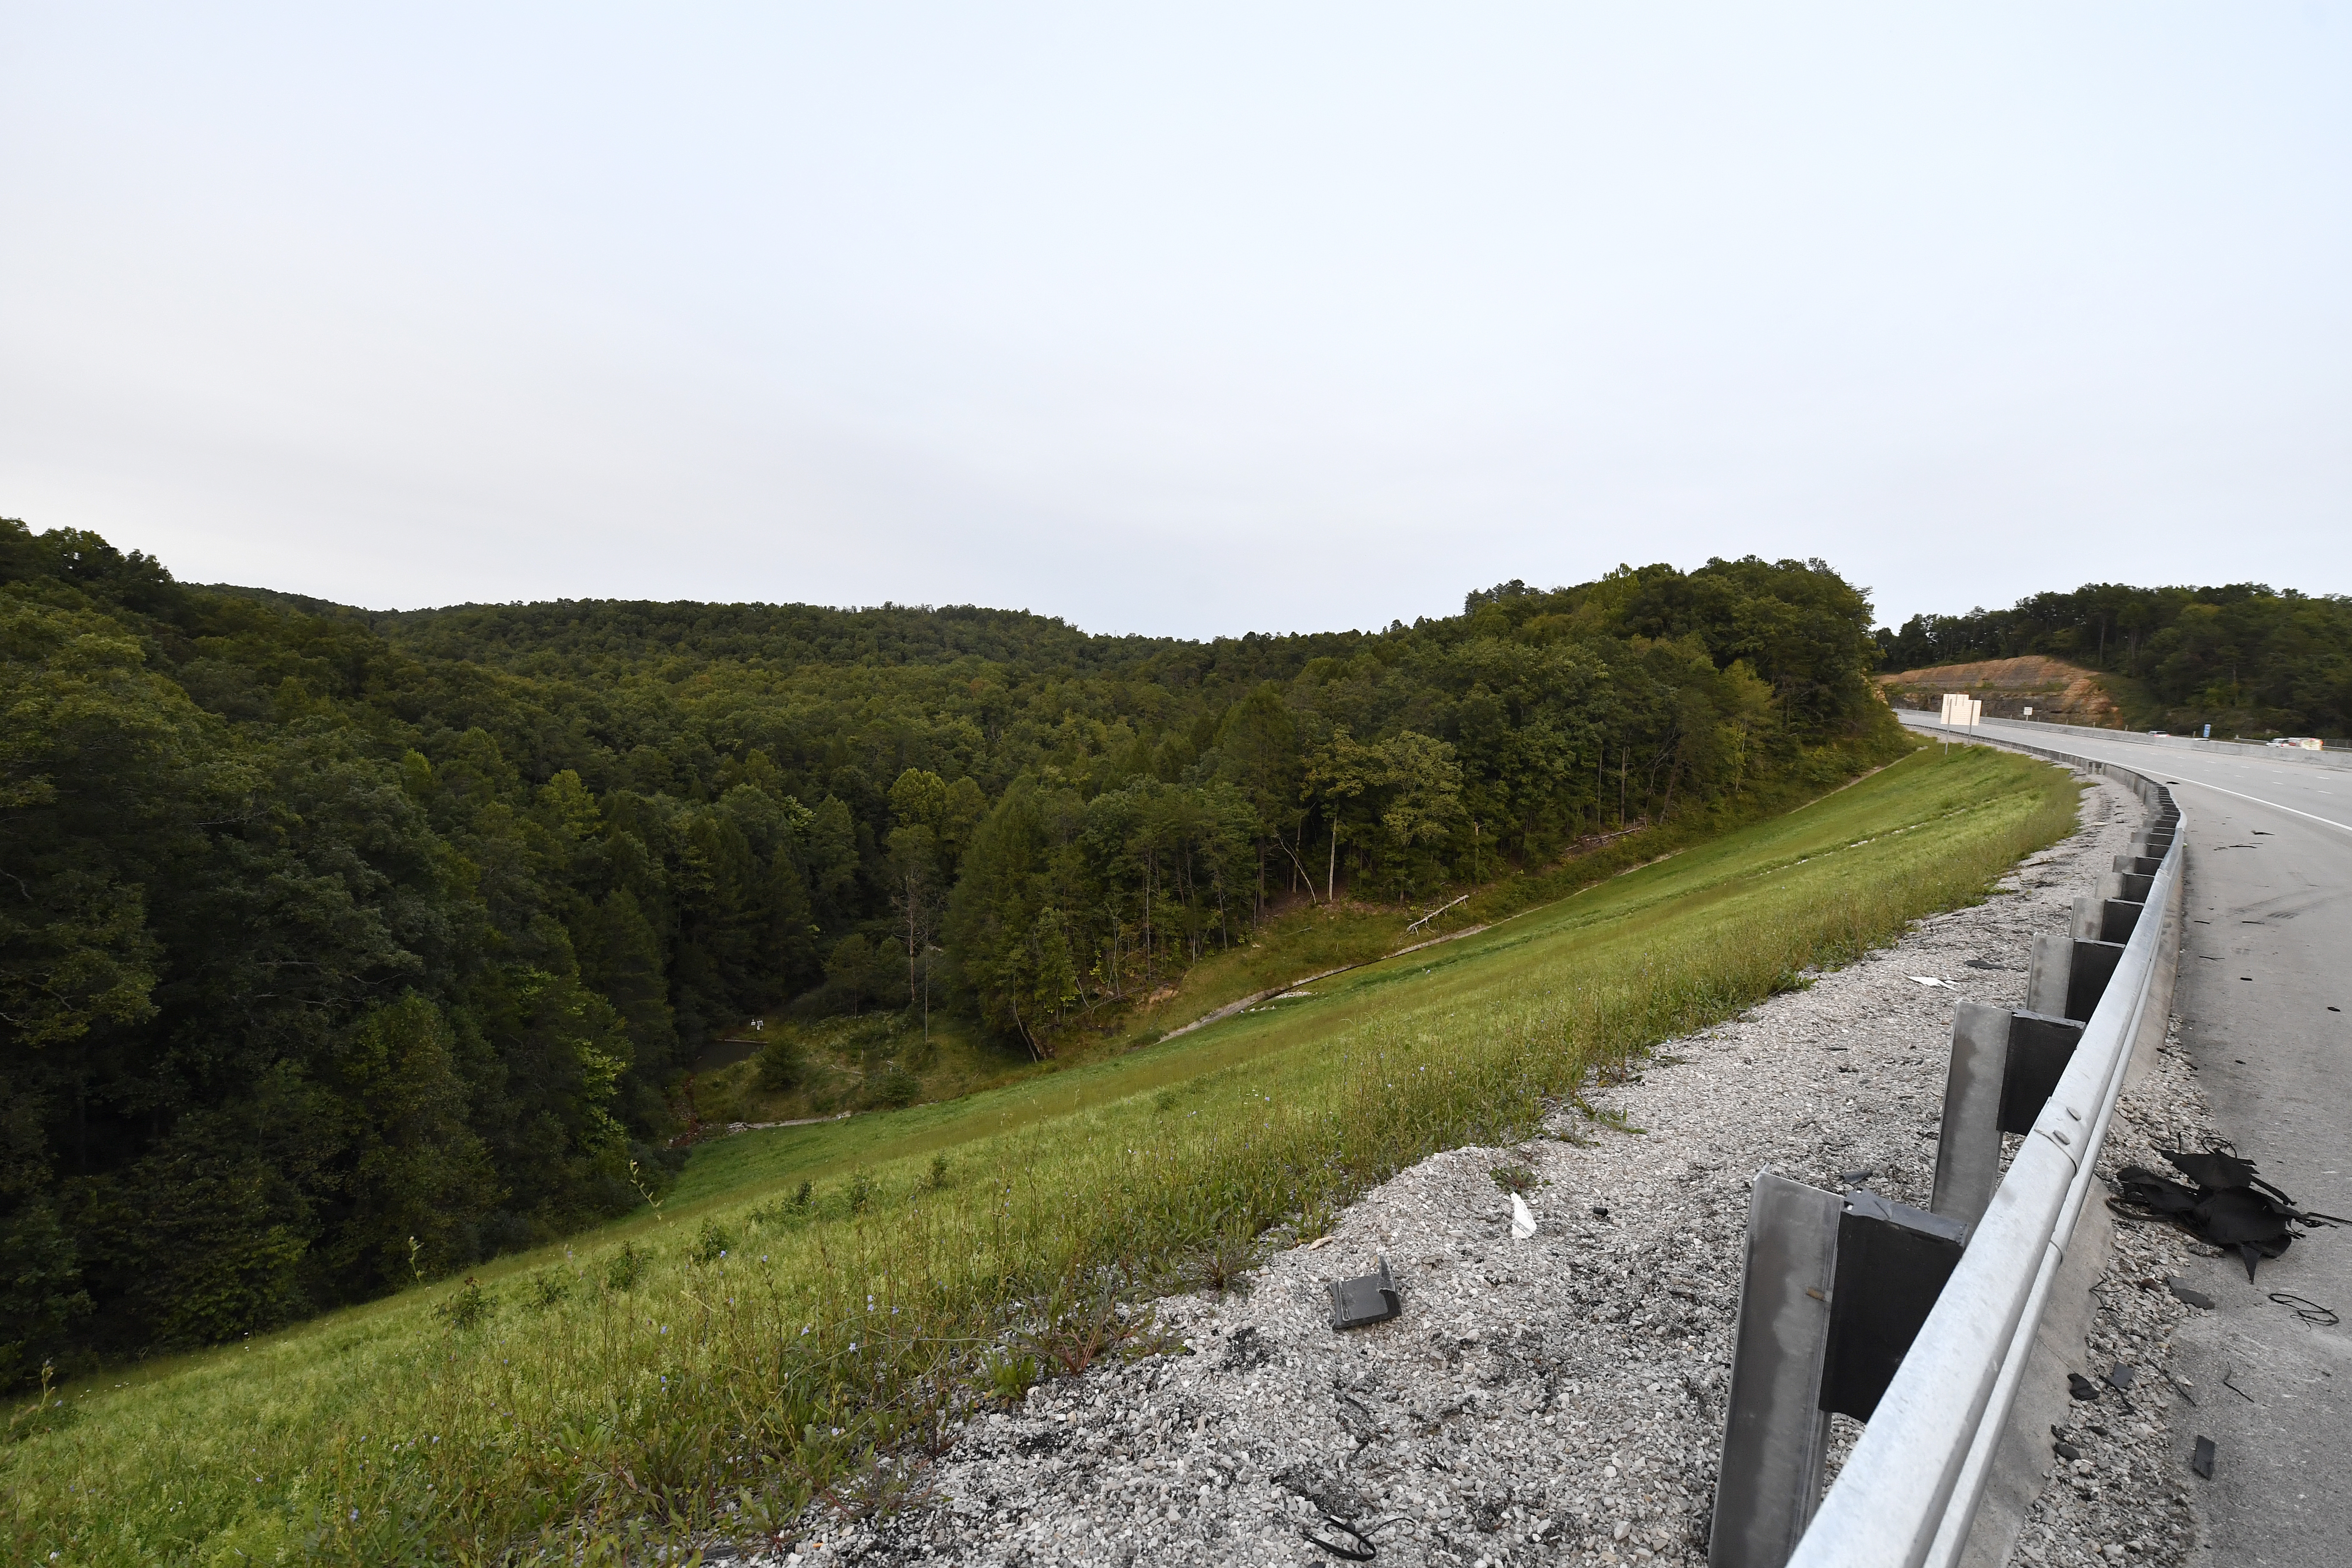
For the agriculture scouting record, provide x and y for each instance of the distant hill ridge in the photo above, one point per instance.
(2245, 658)
(2052, 687)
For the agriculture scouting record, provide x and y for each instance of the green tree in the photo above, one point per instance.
(418, 1173)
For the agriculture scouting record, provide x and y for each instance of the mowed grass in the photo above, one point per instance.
(640, 1384)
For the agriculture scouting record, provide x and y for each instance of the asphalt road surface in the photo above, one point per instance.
(2264, 997)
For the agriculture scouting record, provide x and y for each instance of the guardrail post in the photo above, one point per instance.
(1891, 1262)
(2068, 975)
(2094, 964)
(2104, 919)
(2040, 1050)
(2047, 973)
(1775, 1433)
(1967, 1151)
(2005, 1066)
(2118, 918)
(2125, 885)
(1832, 1293)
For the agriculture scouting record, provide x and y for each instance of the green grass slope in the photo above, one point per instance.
(809, 1295)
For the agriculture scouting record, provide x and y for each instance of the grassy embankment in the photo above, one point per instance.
(637, 1384)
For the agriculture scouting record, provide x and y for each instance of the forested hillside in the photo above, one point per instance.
(2244, 656)
(342, 948)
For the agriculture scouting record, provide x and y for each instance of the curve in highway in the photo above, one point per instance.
(2264, 997)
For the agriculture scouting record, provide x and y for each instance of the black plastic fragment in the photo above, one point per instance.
(1365, 1299)
(2201, 1461)
(1362, 1551)
(2310, 1311)
(2081, 1387)
(2230, 1208)
(2122, 1375)
(2195, 1298)
(2066, 1451)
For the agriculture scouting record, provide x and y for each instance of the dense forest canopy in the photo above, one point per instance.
(2271, 662)
(340, 948)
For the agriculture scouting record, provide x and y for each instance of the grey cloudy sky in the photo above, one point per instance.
(1198, 319)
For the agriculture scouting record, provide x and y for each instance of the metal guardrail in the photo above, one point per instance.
(1908, 1493)
(2245, 749)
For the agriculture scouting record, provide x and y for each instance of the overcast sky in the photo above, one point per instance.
(1200, 320)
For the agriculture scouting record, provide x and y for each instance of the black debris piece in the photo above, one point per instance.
(2081, 1387)
(2230, 1206)
(2195, 1298)
(2122, 1375)
(2201, 1461)
(2311, 1313)
(1368, 1299)
(2216, 1169)
(1599, 1214)
(1363, 1550)
(1328, 1490)
(2066, 1451)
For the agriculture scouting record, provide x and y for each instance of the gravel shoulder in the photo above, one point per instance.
(1558, 1399)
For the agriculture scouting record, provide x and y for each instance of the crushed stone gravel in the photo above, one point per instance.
(1558, 1398)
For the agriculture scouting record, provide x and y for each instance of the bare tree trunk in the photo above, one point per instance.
(1028, 1037)
(1299, 871)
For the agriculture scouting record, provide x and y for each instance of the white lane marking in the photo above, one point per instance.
(2275, 806)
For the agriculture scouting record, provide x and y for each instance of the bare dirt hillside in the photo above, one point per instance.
(2053, 688)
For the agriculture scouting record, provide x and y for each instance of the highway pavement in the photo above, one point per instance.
(2264, 997)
